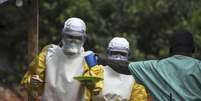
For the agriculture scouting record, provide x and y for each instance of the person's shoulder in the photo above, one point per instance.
(188, 58)
(143, 63)
(199, 63)
(50, 46)
(196, 60)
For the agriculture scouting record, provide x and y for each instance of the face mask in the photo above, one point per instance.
(71, 45)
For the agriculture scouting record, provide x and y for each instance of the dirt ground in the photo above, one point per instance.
(12, 94)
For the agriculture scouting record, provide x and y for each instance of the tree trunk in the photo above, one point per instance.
(33, 31)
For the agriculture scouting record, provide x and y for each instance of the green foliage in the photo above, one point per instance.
(147, 24)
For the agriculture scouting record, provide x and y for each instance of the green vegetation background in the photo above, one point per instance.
(147, 24)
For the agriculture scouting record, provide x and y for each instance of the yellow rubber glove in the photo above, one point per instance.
(138, 93)
(93, 89)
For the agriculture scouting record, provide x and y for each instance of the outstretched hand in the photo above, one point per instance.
(36, 81)
(100, 59)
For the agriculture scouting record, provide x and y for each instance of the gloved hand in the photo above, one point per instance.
(36, 81)
(108, 97)
(94, 84)
(101, 60)
(87, 83)
(113, 97)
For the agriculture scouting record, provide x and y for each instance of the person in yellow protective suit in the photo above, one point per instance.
(120, 87)
(51, 74)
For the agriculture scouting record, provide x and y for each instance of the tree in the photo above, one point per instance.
(147, 24)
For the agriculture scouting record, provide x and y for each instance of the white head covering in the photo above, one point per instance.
(75, 24)
(119, 44)
(73, 27)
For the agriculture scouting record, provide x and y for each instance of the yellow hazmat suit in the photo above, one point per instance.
(139, 93)
(39, 66)
(119, 87)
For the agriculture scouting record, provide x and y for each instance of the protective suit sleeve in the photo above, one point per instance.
(96, 71)
(138, 93)
(37, 67)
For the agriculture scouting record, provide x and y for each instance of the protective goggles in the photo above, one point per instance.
(118, 54)
(120, 51)
(73, 36)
